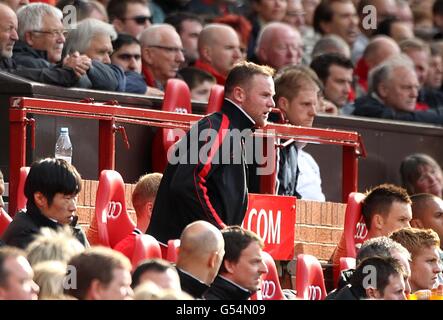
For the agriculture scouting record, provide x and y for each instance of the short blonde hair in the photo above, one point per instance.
(415, 239)
(50, 277)
(145, 189)
(58, 245)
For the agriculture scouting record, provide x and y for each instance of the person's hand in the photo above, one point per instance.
(151, 91)
(79, 63)
(326, 106)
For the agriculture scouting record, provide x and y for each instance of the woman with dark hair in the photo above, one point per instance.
(420, 173)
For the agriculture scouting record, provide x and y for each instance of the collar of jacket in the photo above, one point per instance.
(230, 289)
(149, 78)
(238, 119)
(39, 218)
(23, 47)
(192, 285)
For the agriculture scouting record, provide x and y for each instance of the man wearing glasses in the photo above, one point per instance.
(162, 54)
(42, 39)
(129, 16)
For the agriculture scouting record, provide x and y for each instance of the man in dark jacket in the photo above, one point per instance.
(240, 272)
(199, 258)
(8, 36)
(51, 187)
(42, 48)
(393, 92)
(206, 175)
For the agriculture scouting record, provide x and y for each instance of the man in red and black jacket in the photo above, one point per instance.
(206, 176)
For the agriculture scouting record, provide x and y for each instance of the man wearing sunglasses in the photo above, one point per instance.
(129, 16)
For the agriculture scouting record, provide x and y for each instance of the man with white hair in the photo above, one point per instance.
(93, 38)
(42, 38)
(279, 45)
(219, 50)
(65, 76)
(393, 92)
(162, 54)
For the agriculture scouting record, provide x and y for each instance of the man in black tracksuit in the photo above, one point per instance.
(208, 182)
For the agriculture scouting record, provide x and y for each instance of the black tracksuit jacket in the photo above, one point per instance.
(207, 190)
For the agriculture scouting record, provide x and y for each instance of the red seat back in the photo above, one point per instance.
(146, 247)
(310, 283)
(5, 220)
(173, 247)
(177, 99)
(21, 198)
(216, 97)
(113, 222)
(271, 288)
(355, 231)
(347, 263)
(355, 228)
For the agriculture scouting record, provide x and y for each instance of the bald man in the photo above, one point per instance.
(162, 54)
(378, 50)
(279, 45)
(199, 257)
(219, 50)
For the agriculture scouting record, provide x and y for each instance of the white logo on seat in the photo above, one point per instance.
(314, 293)
(181, 110)
(114, 210)
(268, 289)
(360, 231)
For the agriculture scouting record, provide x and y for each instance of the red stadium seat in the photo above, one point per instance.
(347, 263)
(310, 283)
(271, 288)
(355, 231)
(5, 220)
(173, 247)
(355, 228)
(177, 99)
(216, 97)
(146, 247)
(113, 222)
(21, 198)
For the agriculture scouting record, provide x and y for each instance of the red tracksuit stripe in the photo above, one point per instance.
(207, 167)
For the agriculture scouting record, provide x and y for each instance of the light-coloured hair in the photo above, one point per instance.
(30, 17)
(145, 189)
(383, 72)
(50, 277)
(331, 43)
(415, 239)
(414, 44)
(292, 79)
(80, 37)
(149, 291)
(54, 245)
(380, 246)
(152, 35)
(269, 31)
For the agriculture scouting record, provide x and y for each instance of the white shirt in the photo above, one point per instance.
(309, 180)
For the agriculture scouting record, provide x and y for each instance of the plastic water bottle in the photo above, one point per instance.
(63, 147)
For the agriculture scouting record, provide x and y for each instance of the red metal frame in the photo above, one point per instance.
(109, 114)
